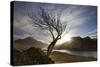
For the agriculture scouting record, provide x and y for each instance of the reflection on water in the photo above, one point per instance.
(80, 53)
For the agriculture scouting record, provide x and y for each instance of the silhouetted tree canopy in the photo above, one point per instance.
(47, 21)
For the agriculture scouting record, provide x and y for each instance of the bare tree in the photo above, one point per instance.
(52, 23)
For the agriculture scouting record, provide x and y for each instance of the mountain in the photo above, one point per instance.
(23, 44)
(80, 44)
(28, 40)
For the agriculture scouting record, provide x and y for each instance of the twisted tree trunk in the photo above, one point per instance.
(50, 47)
(47, 21)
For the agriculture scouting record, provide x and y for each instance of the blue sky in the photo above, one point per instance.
(82, 20)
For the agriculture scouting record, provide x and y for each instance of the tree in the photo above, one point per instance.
(50, 22)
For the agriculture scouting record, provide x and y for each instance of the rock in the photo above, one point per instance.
(17, 57)
(31, 56)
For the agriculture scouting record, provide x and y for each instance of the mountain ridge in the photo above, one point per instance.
(28, 42)
(79, 44)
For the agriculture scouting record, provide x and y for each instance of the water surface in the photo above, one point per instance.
(80, 53)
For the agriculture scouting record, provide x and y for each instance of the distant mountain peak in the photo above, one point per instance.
(31, 42)
(28, 40)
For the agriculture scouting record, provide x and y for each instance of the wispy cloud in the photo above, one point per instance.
(77, 15)
(92, 32)
(73, 14)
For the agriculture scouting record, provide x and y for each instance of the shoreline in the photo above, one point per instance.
(59, 57)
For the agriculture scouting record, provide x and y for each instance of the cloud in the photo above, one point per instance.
(77, 15)
(73, 15)
(23, 28)
(92, 32)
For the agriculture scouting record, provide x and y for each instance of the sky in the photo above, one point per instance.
(81, 20)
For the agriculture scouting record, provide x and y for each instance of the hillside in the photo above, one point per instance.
(31, 56)
(23, 44)
(78, 43)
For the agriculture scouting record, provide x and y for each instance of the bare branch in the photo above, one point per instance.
(46, 21)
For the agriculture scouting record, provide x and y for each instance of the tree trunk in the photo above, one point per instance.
(50, 47)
